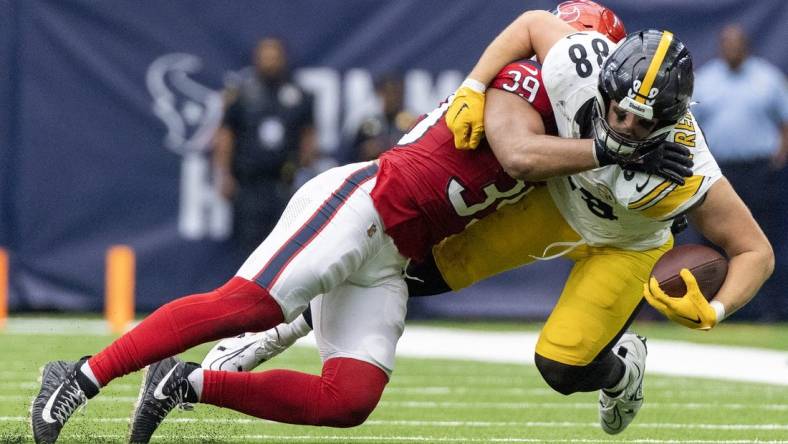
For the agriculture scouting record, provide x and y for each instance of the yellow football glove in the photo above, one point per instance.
(465, 116)
(691, 311)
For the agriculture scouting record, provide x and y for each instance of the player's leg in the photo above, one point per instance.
(356, 329)
(247, 351)
(492, 245)
(320, 240)
(515, 235)
(174, 327)
(584, 345)
(357, 326)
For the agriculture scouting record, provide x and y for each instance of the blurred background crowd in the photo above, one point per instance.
(181, 128)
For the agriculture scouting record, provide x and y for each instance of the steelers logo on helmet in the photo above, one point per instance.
(649, 75)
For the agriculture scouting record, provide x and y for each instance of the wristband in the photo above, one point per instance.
(475, 85)
(719, 309)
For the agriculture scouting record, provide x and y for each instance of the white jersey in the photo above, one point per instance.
(608, 205)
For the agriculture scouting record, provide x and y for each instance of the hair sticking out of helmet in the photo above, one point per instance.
(585, 15)
(650, 75)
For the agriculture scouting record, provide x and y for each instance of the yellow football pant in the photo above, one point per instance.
(600, 295)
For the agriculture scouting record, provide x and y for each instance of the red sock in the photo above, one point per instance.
(343, 396)
(236, 307)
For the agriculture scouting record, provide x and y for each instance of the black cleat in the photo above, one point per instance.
(163, 387)
(63, 389)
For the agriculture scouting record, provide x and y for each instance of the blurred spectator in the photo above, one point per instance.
(743, 110)
(311, 160)
(381, 131)
(257, 144)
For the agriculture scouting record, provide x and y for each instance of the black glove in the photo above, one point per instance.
(665, 159)
(425, 279)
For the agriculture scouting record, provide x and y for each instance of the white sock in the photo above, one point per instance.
(88, 372)
(289, 333)
(195, 379)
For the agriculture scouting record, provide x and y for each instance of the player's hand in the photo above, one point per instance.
(228, 186)
(691, 311)
(667, 159)
(465, 116)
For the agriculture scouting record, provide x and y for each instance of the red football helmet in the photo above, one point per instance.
(585, 14)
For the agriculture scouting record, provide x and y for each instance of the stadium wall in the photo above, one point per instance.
(107, 109)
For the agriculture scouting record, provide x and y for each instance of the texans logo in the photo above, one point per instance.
(191, 111)
(568, 13)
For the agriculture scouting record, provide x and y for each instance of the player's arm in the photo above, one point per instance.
(515, 132)
(725, 220)
(780, 158)
(223, 146)
(533, 33)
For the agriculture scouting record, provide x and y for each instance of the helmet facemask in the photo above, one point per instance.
(620, 145)
(649, 75)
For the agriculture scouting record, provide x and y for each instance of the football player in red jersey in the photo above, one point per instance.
(346, 235)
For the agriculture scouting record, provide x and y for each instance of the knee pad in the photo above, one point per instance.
(557, 375)
(567, 379)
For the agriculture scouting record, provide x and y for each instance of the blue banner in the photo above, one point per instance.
(109, 107)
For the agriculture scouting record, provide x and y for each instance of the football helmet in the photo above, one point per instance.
(650, 75)
(586, 15)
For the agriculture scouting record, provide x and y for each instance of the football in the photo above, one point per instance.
(707, 265)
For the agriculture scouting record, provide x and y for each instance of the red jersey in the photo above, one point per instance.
(427, 190)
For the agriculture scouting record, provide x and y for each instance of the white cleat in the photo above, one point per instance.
(615, 413)
(245, 352)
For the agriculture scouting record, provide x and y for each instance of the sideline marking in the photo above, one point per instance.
(673, 358)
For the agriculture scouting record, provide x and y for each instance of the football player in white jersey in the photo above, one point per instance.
(614, 221)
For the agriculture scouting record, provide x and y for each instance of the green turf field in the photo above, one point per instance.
(428, 401)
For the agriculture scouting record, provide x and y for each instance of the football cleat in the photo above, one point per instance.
(616, 412)
(63, 390)
(245, 352)
(164, 386)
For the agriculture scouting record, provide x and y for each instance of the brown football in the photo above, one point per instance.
(707, 265)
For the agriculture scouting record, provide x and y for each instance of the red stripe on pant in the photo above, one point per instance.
(347, 391)
(236, 307)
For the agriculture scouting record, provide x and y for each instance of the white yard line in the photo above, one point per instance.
(429, 439)
(442, 405)
(466, 424)
(673, 358)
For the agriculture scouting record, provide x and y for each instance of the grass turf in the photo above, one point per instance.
(427, 401)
